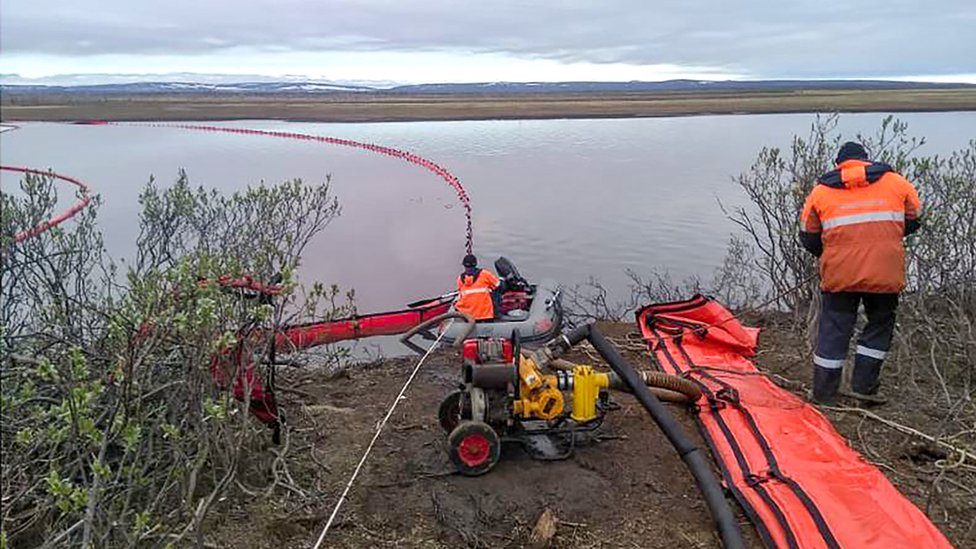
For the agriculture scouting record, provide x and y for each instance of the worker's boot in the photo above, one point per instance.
(865, 380)
(826, 382)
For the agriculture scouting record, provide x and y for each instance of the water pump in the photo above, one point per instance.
(505, 396)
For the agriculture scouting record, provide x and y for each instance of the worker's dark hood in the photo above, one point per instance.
(851, 174)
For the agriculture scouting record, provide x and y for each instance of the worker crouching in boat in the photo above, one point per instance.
(854, 220)
(476, 290)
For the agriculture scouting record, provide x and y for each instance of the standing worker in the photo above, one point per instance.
(475, 287)
(854, 220)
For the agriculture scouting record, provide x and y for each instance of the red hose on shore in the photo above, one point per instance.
(61, 217)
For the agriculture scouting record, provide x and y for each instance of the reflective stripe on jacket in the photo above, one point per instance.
(858, 213)
(474, 294)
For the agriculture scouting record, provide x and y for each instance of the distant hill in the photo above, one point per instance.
(671, 86)
(473, 88)
(187, 88)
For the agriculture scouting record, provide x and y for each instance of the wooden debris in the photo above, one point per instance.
(544, 531)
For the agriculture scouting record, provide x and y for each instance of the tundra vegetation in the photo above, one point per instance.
(114, 432)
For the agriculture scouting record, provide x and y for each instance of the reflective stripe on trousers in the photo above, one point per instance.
(872, 353)
(830, 363)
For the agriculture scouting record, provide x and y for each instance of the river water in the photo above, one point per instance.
(566, 199)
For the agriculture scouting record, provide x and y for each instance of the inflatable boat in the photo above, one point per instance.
(533, 311)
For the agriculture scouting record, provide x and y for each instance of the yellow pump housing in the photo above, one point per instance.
(586, 390)
(541, 398)
(539, 394)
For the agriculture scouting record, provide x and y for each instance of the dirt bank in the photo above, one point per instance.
(629, 489)
(381, 107)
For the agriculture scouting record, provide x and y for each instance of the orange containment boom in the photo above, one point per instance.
(794, 475)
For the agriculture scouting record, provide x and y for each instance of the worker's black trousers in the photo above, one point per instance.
(838, 315)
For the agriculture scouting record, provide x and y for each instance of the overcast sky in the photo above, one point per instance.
(491, 40)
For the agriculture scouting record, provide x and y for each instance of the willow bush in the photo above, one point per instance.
(114, 433)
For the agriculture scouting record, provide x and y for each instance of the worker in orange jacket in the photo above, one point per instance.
(475, 290)
(854, 220)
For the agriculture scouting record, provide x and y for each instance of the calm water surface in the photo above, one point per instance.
(566, 199)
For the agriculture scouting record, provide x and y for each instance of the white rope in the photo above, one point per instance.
(376, 436)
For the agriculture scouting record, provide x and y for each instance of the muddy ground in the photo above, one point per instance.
(628, 489)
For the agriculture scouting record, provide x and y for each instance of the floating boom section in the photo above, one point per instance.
(406, 156)
(84, 199)
(797, 479)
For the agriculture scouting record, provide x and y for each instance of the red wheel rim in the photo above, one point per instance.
(474, 450)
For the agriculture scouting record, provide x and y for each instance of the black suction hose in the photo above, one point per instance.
(692, 456)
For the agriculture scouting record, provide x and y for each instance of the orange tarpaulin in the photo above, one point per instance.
(795, 476)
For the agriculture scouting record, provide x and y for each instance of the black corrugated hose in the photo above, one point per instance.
(693, 457)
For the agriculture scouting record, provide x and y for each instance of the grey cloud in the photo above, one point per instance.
(766, 38)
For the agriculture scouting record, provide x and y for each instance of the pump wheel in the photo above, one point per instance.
(474, 448)
(450, 412)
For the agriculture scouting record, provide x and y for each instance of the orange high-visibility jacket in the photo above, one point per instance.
(856, 216)
(474, 294)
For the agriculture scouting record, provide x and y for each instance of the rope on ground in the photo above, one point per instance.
(963, 453)
(376, 436)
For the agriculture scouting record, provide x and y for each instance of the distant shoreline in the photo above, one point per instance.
(380, 107)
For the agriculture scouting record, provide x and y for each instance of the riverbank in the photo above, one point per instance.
(385, 107)
(628, 490)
